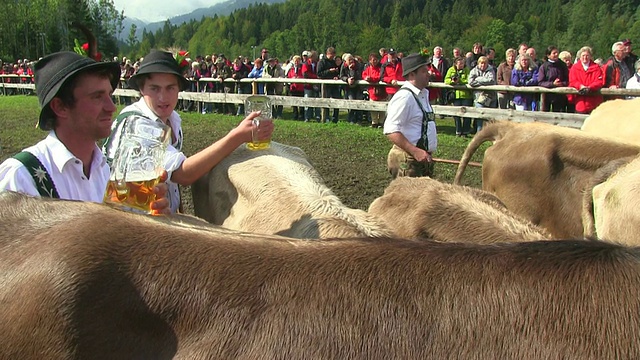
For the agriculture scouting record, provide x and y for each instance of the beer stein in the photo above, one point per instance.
(138, 163)
(258, 103)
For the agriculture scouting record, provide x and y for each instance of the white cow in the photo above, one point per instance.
(611, 207)
(277, 191)
(616, 119)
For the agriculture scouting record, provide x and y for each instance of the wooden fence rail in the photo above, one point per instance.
(562, 119)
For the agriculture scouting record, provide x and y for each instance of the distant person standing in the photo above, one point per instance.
(309, 71)
(503, 77)
(410, 123)
(615, 70)
(442, 64)
(629, 57)
(376, 93)
(392, 72)
(296, 89)
(586, 77)
(553, 73)
(329, 70)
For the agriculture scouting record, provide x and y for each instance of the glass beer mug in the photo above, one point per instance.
(138, 163)
(258, 103)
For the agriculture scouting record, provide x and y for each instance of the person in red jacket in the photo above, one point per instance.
(586, 77)
(392, 72)
(434, 76)
(296, 89)
(376, 93)
(309, 71)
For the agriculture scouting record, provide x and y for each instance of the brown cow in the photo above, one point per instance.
(277, 191)
(616, 119)
(423, 208)
(611, 203)
(81, 280)
(539, 171)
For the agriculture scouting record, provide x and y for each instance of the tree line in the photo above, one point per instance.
(356, 26)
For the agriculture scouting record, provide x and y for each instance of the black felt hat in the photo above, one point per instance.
(55, 70)
(413, 62)
(158, 62)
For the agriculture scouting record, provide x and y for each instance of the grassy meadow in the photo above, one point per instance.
(351, 159)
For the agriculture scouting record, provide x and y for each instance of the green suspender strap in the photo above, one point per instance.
(423, 142)
(39, 173)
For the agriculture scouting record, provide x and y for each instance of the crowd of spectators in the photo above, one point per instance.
(478, 67)
(24, 69)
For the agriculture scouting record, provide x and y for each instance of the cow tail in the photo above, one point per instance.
(492, 131)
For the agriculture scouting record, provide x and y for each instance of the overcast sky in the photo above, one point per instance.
(159, 10)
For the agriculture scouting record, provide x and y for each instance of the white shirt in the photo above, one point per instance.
(405, 116)
(173, 158)
(63, 167)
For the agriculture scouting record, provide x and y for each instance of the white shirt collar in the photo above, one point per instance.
(62, 155)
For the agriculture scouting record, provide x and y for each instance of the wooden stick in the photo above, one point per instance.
(456, 162)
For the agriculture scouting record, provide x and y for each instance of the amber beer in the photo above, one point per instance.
(258, 103)
(134, 194)
(256, 144)
(137, 163)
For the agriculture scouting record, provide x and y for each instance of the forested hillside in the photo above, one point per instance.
(357, 26)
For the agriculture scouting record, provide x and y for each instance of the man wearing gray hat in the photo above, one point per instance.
(410, 122)
(74, 93)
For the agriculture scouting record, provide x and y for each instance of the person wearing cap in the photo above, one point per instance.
(629, 57)
(391, 72)
(410, 124)
(264, 55)
(159, 81)
(74, 93)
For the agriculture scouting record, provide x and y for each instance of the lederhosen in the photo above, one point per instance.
(400, 162)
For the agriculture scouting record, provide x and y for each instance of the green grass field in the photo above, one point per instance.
(351, 159)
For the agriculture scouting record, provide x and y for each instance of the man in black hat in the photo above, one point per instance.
(410, 122)
(74, 93)
(159, 81)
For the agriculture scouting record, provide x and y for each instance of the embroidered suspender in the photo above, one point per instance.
(423, 142)
(44, 183)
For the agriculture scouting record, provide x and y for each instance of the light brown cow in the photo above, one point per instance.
(611, 203)
(82, 280)
(277, 191)
(540, 171)
(616, 119)
(423, 208)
